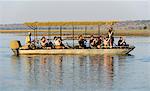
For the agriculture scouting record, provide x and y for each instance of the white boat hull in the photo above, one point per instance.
(76, 51)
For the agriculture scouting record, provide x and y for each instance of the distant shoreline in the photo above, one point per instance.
(103, 32)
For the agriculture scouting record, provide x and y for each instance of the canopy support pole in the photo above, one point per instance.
(98, 30)
(85, 30)
(73, 35)
(36, 35)
(60, 31)
(49, 32)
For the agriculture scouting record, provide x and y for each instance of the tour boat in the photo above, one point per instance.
(15, 45)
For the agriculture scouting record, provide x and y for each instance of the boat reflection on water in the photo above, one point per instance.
(66, 72)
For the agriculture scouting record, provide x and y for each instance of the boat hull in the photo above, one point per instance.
(76, 51)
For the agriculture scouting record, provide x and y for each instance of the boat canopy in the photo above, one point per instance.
(70, 23)
(60, 24)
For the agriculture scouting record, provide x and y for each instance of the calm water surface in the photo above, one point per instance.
(75, 72)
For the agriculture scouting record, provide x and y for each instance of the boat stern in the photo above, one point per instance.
(130, 49)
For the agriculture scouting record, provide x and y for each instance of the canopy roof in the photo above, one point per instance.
(70, 23)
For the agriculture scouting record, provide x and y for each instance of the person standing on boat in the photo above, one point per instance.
(27, 42)
(110, 36)
(28, 39)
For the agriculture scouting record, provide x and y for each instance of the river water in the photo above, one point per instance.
(75, 72)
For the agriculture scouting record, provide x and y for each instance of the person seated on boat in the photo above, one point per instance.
(58, 43)
(33, 44)
(92, 42)
(122, 42)
(99, 42)
(82, 42)
(43, 42)
(110, 36)
(49, 44)
(38, 44)
(106, 42)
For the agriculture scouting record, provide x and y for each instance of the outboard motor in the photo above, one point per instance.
(15, 45)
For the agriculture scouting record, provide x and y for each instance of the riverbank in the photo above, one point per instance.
(88, 32)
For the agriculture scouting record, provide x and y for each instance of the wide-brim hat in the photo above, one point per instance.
(110, 28)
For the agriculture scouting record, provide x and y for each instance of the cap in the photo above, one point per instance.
(29, 33)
